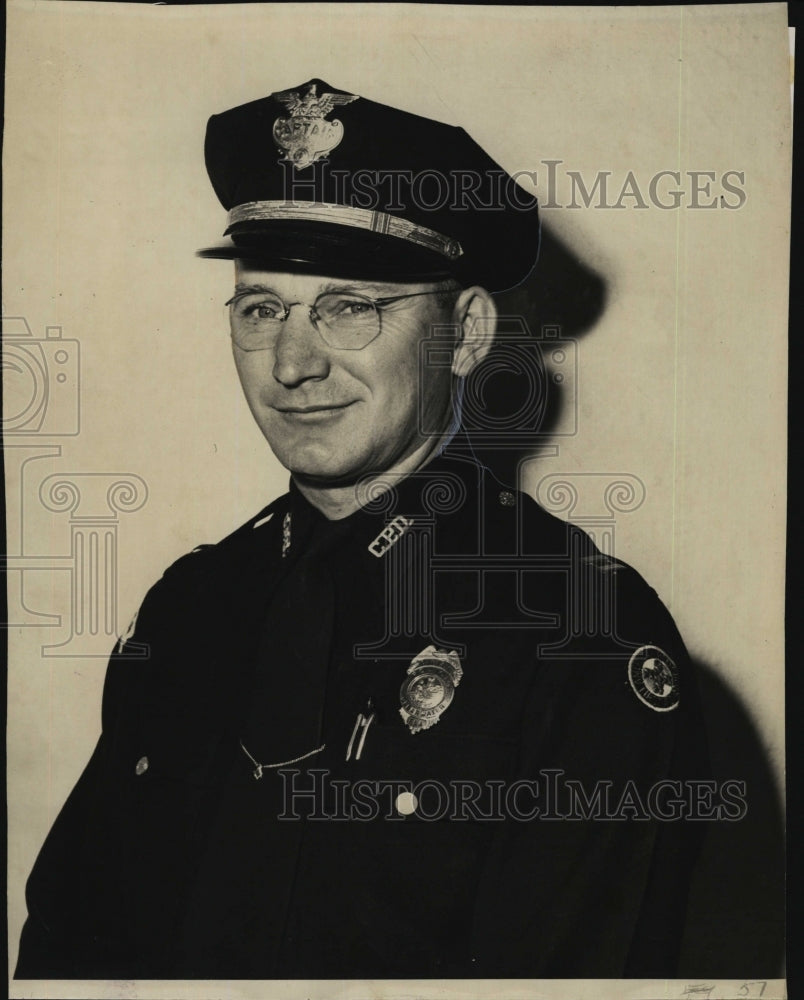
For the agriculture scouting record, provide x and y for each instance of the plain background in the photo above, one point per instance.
(682, 378)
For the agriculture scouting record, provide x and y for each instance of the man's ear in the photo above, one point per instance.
(475, 316)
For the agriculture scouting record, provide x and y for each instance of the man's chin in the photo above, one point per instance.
(320, 468)
(323, 480)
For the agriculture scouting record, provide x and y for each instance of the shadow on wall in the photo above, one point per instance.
(512, 405)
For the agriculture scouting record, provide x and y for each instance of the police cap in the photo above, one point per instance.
(320, 181)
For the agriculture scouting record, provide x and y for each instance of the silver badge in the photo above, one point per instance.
(429, 688)
(306, 136)
(654, 678)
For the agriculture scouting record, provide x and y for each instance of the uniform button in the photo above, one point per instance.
(406, 803)
(142, 766)
(507, 498)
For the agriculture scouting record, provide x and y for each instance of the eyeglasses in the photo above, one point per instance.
(345, 320)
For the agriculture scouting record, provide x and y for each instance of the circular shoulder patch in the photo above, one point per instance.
(654, 678)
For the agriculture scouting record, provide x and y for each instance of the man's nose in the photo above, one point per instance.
(299, 353)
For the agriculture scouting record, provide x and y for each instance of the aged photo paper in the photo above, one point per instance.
(658, 142)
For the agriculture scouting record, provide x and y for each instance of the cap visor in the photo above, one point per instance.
(341, 251)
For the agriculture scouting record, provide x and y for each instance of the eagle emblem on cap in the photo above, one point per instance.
(306, 136)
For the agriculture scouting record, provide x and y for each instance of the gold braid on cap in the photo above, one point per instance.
(343, 215)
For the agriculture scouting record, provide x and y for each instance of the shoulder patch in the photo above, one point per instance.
(653, 677)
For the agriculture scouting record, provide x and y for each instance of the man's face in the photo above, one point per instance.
(334, 415)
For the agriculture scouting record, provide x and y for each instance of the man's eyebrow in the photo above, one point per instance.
(377, 288)
(243, 289)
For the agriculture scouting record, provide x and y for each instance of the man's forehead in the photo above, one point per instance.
(249, 277)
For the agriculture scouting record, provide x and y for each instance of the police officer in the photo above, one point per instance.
(402, 722)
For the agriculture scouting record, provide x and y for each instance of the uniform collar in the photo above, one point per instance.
(443, 491)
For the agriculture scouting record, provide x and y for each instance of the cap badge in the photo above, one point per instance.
(428, 690)
(654, 678)
(306, 136)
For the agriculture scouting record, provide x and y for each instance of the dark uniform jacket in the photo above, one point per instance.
(532, 847)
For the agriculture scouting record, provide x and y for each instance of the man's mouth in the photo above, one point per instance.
(318, 411)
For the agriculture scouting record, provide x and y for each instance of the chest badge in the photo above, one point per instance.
(654, 678)
(429, 687)
(307, 136)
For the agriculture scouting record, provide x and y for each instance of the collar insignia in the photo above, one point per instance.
(429, 688)
(306, 136)
(389, 535)
(286, 528)
(123, 639)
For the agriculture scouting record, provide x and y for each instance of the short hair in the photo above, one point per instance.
(448, 291)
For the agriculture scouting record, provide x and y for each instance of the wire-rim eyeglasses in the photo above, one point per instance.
(345, 321)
